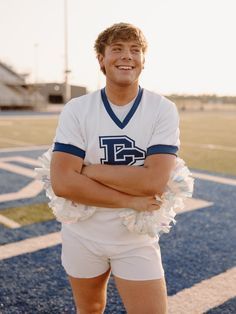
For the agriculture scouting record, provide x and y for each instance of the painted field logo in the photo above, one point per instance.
(120, 150)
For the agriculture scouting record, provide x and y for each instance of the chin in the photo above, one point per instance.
(126, 82)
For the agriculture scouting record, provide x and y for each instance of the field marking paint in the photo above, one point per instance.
(24, 148)
(30, 190)
(29, 245)
(204, 295)
(22, 159)
(208, 177)
(192, 204)
(197, 299)
(212, 146)
(17, 169)
(14, 142)
(48, 116)
(8, 222)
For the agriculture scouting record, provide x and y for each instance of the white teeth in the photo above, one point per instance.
(122, 67)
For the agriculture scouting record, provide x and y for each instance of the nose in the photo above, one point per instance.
(126, 55)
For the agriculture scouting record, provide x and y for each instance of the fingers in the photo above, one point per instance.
(156, 203)
(153, 207)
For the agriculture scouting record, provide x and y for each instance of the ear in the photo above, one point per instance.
(100, 60)
(101, 63)
(143, 62)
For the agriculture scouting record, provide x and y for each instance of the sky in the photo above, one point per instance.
(192, 46)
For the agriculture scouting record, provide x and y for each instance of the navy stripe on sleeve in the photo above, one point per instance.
(162, 149)
(70, 149)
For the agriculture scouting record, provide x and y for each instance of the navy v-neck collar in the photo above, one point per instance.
(130, 114)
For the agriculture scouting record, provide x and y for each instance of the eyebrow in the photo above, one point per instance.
(121, 44)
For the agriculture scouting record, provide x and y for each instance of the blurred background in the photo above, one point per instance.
(46, 58)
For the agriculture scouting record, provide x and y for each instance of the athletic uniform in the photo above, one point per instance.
(101, 133)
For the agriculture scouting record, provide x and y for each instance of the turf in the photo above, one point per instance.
(22, 131)
(197, 128)
(29, 214)
(201, 128)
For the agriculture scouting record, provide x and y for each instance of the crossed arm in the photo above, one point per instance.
(111, 186)
(148, 180)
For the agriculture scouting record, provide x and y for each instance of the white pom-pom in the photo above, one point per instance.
(64, 210)
(179, 187)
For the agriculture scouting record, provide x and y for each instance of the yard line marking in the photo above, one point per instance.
(31, 117)
(8, 222)
(212, 146)
(204, 295)
(208, 177)
(23, 148)
(18, 169)
(29, 245)
(25, 160)
(30, 190)
(192, 204)
(11, 141)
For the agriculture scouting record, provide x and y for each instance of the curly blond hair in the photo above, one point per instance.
(119, 31)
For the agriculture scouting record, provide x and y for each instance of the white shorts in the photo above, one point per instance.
(82, 258)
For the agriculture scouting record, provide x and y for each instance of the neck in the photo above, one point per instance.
(121, 95)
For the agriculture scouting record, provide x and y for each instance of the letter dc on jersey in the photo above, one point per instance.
(120, 150)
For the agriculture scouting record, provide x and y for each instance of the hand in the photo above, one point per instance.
(145, 203)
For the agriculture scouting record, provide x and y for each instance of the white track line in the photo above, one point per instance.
(205, 295)
(8, 222)
(17, 169)
(198, 299)
(29, 245)
(192, 204)
(25, 160)
(30, 190)
(30, 117)
(212, 146)
(14, 142)
(23, 148)
(208, 177)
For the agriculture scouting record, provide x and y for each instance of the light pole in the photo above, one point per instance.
(67, 89)
(35, 94)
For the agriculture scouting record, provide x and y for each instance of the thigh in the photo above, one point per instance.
(82, 258)
(141, 262)
(90, 293)
(143, 297)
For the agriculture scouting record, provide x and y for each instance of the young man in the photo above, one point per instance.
(101, 139)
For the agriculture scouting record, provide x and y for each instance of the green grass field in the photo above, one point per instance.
(26, 215)
(208, 142)
(198, 129)
(26, 131)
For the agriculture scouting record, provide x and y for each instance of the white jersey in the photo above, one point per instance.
(90, 129)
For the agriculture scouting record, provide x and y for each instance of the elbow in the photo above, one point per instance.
(59, 186)
(59, 190)
(156, 188)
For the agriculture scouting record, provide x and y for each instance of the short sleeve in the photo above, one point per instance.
(165, 136)
(69, 137)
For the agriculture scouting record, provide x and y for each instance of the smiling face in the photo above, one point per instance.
(122, 62)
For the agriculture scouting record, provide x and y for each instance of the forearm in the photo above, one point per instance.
(83, 190)
(128, 179)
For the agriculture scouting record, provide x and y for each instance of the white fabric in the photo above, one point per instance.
(121, 111)
(85, 118)
(82, 258)
(81, 123)
(152, 223)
